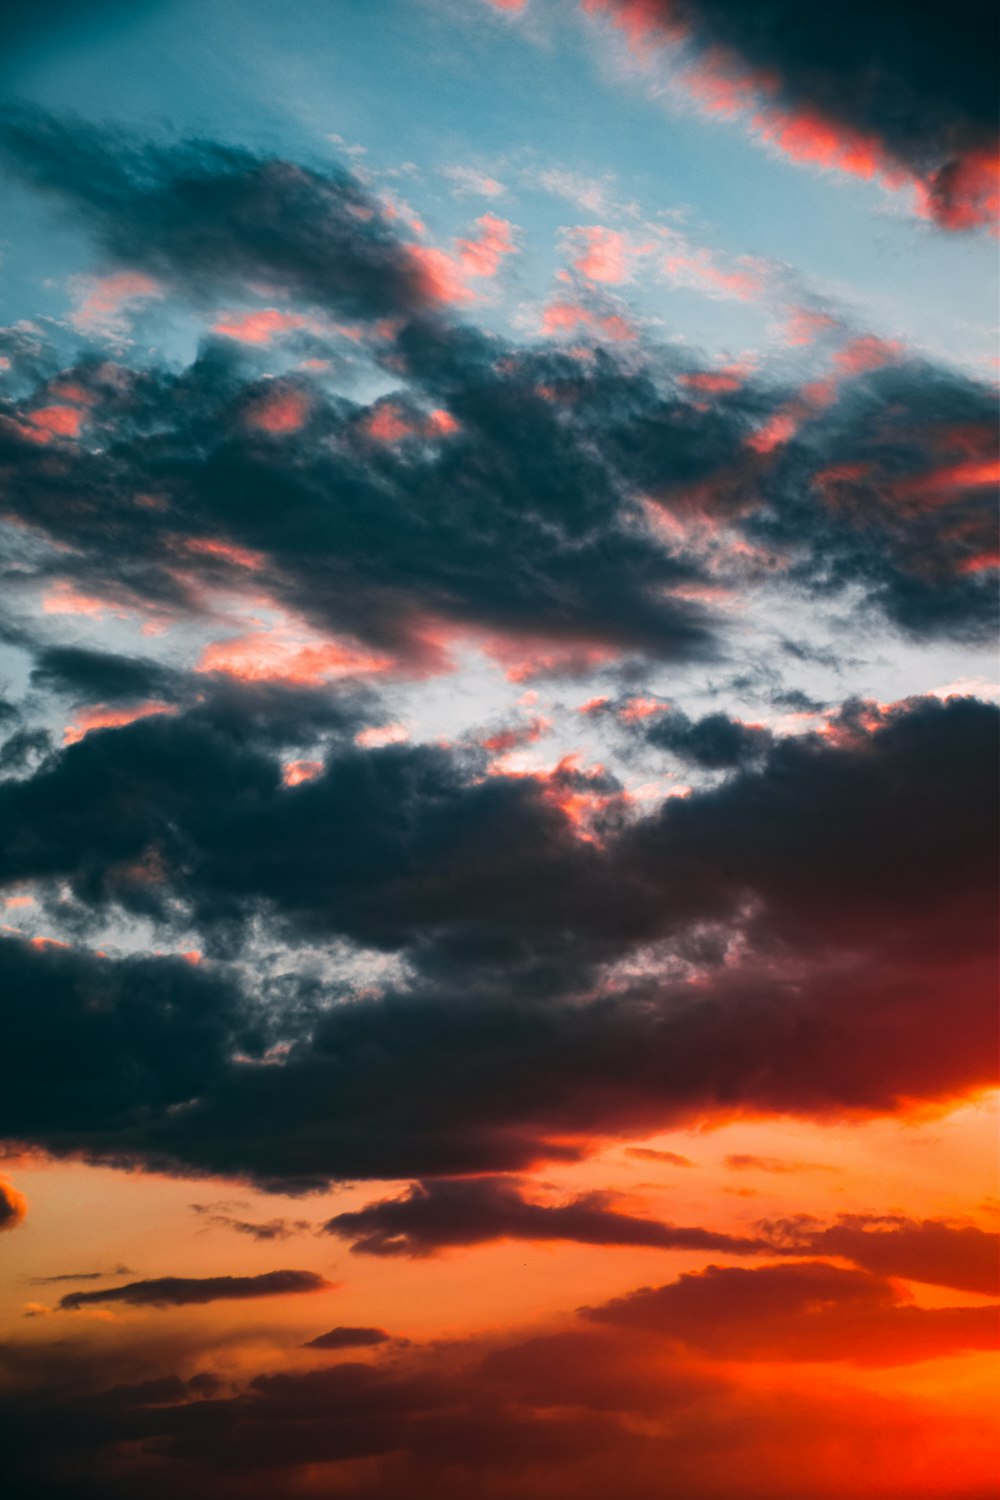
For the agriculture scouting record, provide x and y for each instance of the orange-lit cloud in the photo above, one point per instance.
(294, 772)
(13, 1205)
(103, 717)
(273, 657)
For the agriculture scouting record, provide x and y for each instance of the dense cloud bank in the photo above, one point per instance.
(818, 913)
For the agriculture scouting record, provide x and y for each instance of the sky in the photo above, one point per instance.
(498, 743)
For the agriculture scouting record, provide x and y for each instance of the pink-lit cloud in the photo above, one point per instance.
(382, 734)
(57, 421)
(280, 412)
(805, 324)
(224, 552)
(604, 255)
(446, 274)
(295, 772)
(388, 422)
(276, 656)
(696, 268)
(260, 327)
(564, 316)
(104, 300)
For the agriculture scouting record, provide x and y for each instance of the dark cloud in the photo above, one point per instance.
(271, 1229)
(120, 1039)
(666, 1158)
(186, 1291)
(90, 676)
(892, 488)
(204, 216)
(349, 1338)
(809, 1311)
(530, 521)
(715, 742)
(932, 1250)
(22, 747)
(843, 893)
(518, 523)
(79, 1276)
(433, 1216)
(916, 79)
(525, 519)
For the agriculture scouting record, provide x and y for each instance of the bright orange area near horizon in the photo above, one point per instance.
(874, 1412)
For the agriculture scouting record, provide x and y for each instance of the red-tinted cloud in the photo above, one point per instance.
(800, 1312)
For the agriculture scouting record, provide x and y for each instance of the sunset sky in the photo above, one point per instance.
(498, 750)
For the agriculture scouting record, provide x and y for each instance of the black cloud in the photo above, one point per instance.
(202, 215)
(918, 79)
(435, 1215)
(186, 1291)
(843, 891)
(349, 1338)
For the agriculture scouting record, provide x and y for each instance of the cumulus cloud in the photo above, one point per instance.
(819, 857)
